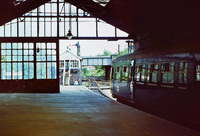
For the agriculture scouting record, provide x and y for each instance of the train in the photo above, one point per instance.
(161, 80)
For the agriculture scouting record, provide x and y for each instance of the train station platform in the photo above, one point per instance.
(77, 111)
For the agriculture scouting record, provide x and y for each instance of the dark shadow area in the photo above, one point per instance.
(178, 119)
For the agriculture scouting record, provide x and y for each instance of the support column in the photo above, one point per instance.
(107, 72)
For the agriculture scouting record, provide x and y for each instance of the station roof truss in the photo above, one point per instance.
(53, 18)
(165, 22)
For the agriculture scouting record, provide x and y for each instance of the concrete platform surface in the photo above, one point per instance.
(77, 111)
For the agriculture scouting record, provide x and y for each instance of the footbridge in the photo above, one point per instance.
(104, 61)
(97, 60)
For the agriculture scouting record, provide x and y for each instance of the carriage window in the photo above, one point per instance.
(140, 72)
(125, 74)
(167, 72)
(152, 73)
(198, 72)
(117, 69)
(183, 66)
(117, 73)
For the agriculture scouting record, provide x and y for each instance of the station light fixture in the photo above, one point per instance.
(69, 34)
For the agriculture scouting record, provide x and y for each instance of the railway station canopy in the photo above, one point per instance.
(152, 23)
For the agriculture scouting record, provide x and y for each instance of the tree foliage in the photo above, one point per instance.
(100, 70)
(3, 58)
(105, 53)
(85, 72)
(125, 51)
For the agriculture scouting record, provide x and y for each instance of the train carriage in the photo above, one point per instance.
(166, 82)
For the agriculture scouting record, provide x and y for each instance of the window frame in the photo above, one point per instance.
(47, 55)
(150, 73)
(21, 57)
(118, 73)
(61, 64)
(74, 64)
(197, 72)
(166, 69)
(27, 64)
(182, 72)
(125, 74)
(140, 70)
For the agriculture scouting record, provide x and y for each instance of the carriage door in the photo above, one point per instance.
(131, 78)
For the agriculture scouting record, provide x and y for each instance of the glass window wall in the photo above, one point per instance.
(17, 61)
